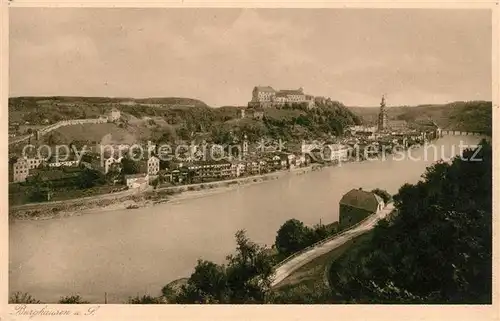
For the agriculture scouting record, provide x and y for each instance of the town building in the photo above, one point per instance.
(356, 205)
(397, 125)
(245, 146)
(300, 160)
(337, 152)
(258, 114)
(153, 165)
(308, 147)
(322, 100)
(382, 116)
(137, 181)
(34, 162)
(20, 170)
(363, 131)
(238, 168)
(63, 163)
(253, 167)
(210, 170)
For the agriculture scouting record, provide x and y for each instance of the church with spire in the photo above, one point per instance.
(382, 116)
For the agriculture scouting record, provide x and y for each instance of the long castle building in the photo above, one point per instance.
(267, 96)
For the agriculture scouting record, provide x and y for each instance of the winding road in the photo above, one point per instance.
(295, 263)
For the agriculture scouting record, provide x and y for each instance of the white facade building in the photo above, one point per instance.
(20, 170)
(153, 165)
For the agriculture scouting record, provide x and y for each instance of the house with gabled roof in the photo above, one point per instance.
(356, 205)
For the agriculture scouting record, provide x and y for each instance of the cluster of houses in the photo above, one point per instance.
(394, 130)
(193, 167)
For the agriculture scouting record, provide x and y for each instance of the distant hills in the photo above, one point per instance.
(107, 100)
(459, 115)
(36, 109)
(185, 117)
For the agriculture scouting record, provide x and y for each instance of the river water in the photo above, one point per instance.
(131, 252)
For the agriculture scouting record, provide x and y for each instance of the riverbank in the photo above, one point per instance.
(134, 199)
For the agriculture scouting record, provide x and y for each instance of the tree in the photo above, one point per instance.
(386, 197)
(436, 247)
(155, 182)
(129, 166)
(72, 299)
(169, 294)
(292, 236)
(54, 139)
(168, 135)
(145, 299)
(183, 132)
(39, 189)
(249, 271)
(207, 284)
(246, 278)
(318, 233)
(26, 298)
(89, 178)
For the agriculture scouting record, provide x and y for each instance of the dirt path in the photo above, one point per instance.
(295, 263)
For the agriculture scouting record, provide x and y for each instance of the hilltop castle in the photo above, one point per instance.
(267, 96)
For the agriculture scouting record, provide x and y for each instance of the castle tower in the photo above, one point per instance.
(382, 116)
(245, 146)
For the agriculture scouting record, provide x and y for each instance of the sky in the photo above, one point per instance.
(413, 56)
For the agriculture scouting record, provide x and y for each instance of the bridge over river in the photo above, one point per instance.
(452, 132)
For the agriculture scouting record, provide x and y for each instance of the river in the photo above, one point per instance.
(131, 252)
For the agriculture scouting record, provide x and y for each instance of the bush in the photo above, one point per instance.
(386, 197)
(25, 298)
(145, 299)
(73, 299)
(292, 236)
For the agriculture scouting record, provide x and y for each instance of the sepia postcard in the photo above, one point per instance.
(249, 161)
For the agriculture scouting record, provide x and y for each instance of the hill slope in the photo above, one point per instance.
(171, 118)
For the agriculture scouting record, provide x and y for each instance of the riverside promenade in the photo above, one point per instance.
(294, 262)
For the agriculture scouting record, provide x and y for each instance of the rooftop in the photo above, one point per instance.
(140, 175)
(361, 199)
(265, 88)
(299, 91)
(52, 175)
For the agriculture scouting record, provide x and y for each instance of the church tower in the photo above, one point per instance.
(245, 146)
(382, 116)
